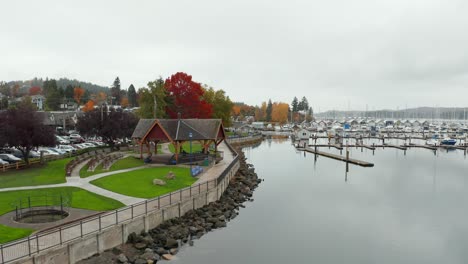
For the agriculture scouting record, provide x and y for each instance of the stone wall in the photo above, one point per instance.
(115, 235)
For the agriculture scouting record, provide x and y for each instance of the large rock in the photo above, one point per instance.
(167, 256)
(140, 245)
(122, 258)
(159, 182)
(171, 243)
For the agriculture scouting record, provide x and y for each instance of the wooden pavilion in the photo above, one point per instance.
(177, 132)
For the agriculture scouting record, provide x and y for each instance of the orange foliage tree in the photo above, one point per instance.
(88, 106)
(124, 102)
(78, 93)
(280, 112)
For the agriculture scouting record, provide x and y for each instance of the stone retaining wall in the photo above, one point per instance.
(115, 235)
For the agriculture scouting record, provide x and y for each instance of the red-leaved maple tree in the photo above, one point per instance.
(35, 90)
(187, 97)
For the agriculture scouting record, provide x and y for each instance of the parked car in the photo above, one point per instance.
(89, 144)
(12, 151)
(10, 158)
(67, 148)
(34, 154)
(2, 162)
(61, 140)
(59, 151)
(48, 152)
(76, 138)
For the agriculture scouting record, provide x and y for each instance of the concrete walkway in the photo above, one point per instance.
(214, 172)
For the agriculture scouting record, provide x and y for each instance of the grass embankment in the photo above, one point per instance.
(78, 198)
(121, 164)
(51, 173)
(196, 147)
(139, 183)
(8, 234)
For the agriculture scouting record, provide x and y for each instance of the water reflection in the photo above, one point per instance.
(406, 209)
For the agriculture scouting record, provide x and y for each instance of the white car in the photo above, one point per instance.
(62, 140)
(76, 138)
(67, 148)
(59, 151)
(48, 152)
(2, 162)
(10, 158)
(89, 145)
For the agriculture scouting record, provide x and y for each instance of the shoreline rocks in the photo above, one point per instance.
(164, 241)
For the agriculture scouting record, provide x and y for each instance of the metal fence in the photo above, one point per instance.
(94, 224)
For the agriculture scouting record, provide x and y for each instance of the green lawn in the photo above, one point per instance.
(125, 163)
(52, 173)
(196, 147)
(78, 198)
(139, 183)
(8, 234)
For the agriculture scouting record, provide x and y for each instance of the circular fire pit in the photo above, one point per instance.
(41, 215)
(44, 208)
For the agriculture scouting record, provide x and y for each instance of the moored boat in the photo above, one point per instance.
(448, 142)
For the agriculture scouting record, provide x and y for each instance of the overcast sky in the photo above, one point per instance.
(337, 53)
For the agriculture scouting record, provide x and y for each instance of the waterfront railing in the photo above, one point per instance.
(69, 232)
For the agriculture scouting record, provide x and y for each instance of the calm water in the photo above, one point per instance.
(407, 209)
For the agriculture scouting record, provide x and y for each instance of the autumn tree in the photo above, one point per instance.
(88, 106)
(187, 97)
(260, 112)
(124, 102)
(115, 91)
(22, 127)
(221, 103)
(279, 112)
(110, 126)
(78, 93)
(155, 95)
(132, 96)
(35, 90)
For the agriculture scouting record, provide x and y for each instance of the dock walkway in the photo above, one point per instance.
(338, 157)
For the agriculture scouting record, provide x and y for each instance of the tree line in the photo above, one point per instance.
(278, 112)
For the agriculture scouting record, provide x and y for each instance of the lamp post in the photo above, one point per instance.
(190, 140)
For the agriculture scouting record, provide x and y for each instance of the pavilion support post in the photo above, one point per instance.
(177, 150)
(141, 150)
(148, 147)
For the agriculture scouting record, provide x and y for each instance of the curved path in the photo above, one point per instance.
(84, 183)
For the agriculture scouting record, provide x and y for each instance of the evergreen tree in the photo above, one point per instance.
(115, 91)
(269, 109)
(294, 104)
(69, 92)
(52, 94)
(132, 96)
(304, 104)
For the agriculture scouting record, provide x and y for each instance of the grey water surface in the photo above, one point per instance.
(409, 208)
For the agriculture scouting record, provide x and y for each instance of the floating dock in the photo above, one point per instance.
(338, 157)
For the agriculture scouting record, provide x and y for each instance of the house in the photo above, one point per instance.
(258, 125)
(39, 101)
(303, 134)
